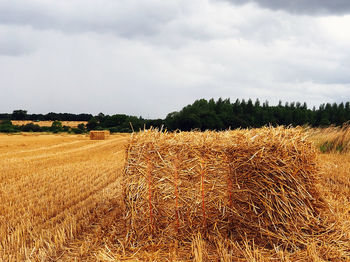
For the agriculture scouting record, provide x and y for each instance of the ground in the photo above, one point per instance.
(61, 200)
(48, 123)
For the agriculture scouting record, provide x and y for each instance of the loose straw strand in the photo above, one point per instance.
(202, 172)
(149, 172)
(175, 163)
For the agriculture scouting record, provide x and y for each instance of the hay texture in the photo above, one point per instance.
(99, 134)
(257, 184)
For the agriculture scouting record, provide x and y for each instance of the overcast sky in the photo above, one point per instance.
(151, 57)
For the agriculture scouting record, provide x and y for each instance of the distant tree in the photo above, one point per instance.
(304, 106)
(201, 114)
(172, 120)
(77, 130)
(189, 121)
(156, 123)
(324, 121)
(100, 117)
(347, 106)
(92, 124)
(257, 103)
(5, 116)
(7, 127)
(30, 127)
(250, 107)
(115, 120)
(266, 104)
(81, 127)
(19, 115)
(56, 127)
(81, 117)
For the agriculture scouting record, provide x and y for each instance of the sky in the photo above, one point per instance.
(152, 57)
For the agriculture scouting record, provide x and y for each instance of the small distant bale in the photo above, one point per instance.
(99, 134)
(258, 184)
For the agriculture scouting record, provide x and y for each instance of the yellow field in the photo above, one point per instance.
(52, 189)
(61, 200)
(48, 123)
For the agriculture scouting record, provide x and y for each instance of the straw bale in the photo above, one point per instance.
(257, 183)
(99, 134)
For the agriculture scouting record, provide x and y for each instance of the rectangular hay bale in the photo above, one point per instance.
(99, 134)
(259, 183)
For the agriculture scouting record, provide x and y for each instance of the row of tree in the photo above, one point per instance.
(202, 114)
(23, 115)
(6, 126)
(223, 114)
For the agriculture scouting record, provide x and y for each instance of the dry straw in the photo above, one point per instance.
(257, 184)
(99, 134)
(332, 139)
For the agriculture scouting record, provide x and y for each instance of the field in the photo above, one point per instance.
(53, 189)
(61, 200)
(48, 123)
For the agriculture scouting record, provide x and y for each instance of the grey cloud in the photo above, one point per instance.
(158, 22)
(12, 49)
(152, 57)
(322, 72)
(310, 7)
(124, 18)
(14, 43)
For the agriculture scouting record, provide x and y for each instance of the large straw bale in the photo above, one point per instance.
(99, 134)
(257, 183)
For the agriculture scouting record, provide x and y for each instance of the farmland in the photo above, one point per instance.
(48, 123)
(61, 200)
(52, 188)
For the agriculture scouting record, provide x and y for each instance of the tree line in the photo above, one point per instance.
(23, 115)
(223, 114)
(201, 115)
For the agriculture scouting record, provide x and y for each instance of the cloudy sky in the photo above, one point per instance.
(151, 57)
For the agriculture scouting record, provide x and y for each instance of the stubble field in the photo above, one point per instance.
(52, 189)
(48, 123)
(61, 200)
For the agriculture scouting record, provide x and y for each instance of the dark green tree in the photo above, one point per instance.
(56, 127)
(92, 124)
(19, 115)
(81, 127)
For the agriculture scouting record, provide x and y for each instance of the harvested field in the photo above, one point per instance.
(52, 188)
(61, 199)
(48, 123)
